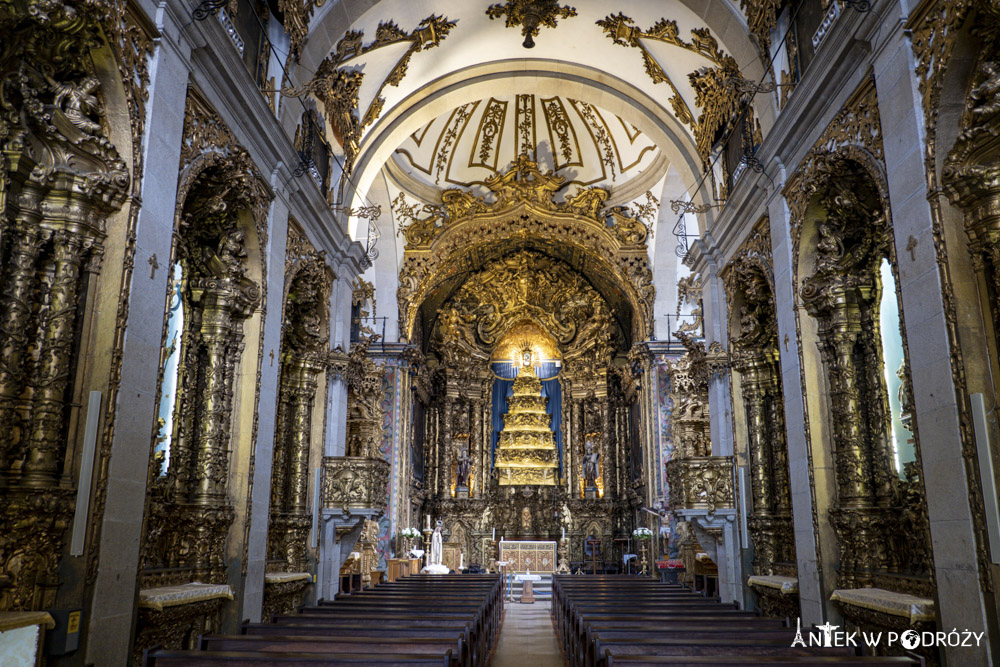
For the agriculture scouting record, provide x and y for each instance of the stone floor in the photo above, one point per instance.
(527, 638)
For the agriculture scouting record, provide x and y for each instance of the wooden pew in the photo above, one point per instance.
(241, 658)
(768, 661)
(381, 645)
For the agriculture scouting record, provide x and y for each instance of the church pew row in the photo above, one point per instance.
(404, 625)
(768, 661)
(290, 659)
(611, 620)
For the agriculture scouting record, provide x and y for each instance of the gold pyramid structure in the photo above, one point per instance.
(526, 450)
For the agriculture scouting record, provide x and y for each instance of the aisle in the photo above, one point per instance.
(527, 638)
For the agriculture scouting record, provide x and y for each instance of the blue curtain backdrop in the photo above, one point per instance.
(503, 387)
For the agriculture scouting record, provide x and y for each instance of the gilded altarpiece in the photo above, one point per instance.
(304, 352)
(755, 359)
(66, 173)
(537, 285)
(842, 233)
(220, 227)
(956, 49)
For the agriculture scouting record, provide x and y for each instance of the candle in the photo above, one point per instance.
(564, 532)
(494, 534)
(461, 561)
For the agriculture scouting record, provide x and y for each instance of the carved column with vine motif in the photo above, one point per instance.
(16, 289)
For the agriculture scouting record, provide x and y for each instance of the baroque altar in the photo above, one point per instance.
(524, 389)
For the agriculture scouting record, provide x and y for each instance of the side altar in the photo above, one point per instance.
(524, 555)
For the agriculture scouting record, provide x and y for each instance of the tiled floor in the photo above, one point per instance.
(528, 638)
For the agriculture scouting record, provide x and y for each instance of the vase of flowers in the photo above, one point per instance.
(409, 534)
(644, 536)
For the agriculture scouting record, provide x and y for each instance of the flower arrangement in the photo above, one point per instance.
(642, 534)
(410, 533)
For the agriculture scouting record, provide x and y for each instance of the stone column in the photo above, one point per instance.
(112, 606)
(816, 581)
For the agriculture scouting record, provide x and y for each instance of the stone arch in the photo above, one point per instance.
(475, 82)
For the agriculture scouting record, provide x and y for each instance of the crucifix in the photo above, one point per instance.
(911, 245)
(786, 342)
(153, 266)
(272, 356)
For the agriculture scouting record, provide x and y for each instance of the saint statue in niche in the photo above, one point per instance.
(464, 467)
(435, 557)
(590, 460)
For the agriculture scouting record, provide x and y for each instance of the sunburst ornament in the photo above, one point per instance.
(530, 15)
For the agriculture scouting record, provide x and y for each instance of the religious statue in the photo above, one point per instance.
(987, 93)
(232, 253)
(464, 468)
(78, 102)
(436, 542)
(526, 525)
(590, 460)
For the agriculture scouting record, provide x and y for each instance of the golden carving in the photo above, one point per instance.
(526, 450)
(749, 283)
(937, 28)
(762, 19)
(842, 174)
(718, 100)
(531, 15)
(297, 14)
(338, 88)
(303, 349)
(60, 179)
(353, 483)
(189, 512)
(701, 482)
(522, 208)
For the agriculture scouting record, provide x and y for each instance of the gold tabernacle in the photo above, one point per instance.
(526, 450)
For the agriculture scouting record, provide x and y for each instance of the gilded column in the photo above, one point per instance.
(15, 314)
(757, 436)
(45, 448)
(301, 438)
(853, 468)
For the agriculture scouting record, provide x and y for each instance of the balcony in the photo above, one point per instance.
(355, 485)
(701, 483)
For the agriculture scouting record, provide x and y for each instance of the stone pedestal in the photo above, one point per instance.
(527, 593)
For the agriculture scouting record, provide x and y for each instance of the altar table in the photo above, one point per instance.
(536, 556)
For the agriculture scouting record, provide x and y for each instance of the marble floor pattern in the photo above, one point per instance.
(528, 638)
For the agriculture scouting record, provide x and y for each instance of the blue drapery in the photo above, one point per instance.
(503, 387)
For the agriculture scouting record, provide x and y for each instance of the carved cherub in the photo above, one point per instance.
(78, 102)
